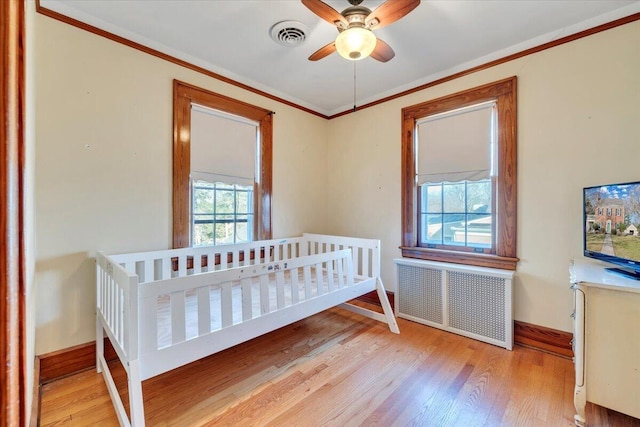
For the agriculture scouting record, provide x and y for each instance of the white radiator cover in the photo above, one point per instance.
(472, 301)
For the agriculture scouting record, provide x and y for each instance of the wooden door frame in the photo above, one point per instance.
(12, 251)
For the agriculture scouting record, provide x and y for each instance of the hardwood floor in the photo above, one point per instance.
(340, 369)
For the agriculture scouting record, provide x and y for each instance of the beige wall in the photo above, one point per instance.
(103, 167)
(573, 100)
(103, 163)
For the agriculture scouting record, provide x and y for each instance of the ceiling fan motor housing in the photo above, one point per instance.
(356, 15)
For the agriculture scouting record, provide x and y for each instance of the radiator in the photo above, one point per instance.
(471, 301)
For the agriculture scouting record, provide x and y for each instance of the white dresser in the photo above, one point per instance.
(606, 341)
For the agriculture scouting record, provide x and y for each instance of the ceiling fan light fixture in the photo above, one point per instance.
(355, 43)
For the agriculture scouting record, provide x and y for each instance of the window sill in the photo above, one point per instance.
(466, 258)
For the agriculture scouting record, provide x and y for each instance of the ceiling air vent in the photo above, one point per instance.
(289, 33)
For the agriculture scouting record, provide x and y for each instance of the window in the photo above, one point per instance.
(456, 214)
(454, 166)
(224, 163)
(222, 213)
(459, 177)
(220, 195)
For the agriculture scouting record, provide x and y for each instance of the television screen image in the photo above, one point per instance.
(611, 225)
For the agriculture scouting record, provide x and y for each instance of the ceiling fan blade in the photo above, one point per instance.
(389, 12)
(324, 11)
(323, 51)
(382, 52)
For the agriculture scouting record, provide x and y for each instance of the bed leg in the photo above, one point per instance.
(386, 307)
(99, 343)
(136, 402)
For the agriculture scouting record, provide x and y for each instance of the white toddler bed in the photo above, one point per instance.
(164, 309)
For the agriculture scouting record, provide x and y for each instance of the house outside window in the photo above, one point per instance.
(457, 213)
(459, 181)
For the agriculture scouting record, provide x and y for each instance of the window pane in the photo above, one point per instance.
(479, 196)
(222, 213)
(467, 217)
(242, 201)
(431, 226)
(454, 197)
(479, 230)
(424, 201)
(241, 232)
(431, 196)
(202, 200)
(224, 201)
(202, 234)
(453, 229)
(224, 229)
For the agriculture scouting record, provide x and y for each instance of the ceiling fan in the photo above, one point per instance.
(356, 40)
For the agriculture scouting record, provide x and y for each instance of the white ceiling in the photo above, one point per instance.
(439, 38)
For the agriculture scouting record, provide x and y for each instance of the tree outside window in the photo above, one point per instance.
(222, 213)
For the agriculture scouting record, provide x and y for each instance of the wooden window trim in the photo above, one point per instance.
(504, 93)
(184, 95)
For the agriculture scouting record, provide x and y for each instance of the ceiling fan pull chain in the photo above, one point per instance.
(354, 86)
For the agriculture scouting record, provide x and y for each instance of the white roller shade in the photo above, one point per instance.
(223, 147)
(456, 146)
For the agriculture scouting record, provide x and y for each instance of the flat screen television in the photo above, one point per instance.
(611, 226)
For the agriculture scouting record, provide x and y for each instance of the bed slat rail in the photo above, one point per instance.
(161, 265)
(261, 319)
(264, 288)
(116, 292)
(365, 252)
(117, 316)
